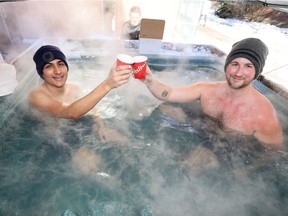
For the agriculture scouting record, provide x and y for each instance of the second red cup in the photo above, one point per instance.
(139, 66)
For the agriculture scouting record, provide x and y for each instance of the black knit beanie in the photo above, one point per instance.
(46, 54)
(252, 49)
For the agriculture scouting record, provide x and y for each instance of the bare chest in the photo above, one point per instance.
(236, 116)
(68, 95)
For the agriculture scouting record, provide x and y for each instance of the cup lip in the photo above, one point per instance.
(125, 58)
(140, 58)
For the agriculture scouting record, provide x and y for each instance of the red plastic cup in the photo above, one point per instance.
(139, 67)
(123, 59)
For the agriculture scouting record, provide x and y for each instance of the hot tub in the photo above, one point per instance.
(144, 174)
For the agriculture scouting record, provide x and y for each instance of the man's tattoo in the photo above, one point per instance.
(164, 93)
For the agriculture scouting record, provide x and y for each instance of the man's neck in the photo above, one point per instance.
(240, 92)
(54, 90)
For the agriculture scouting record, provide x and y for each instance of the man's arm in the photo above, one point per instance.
(272, 136)
(168, 93)
(269, 130)
(117, 77)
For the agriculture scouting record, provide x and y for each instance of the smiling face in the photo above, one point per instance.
(240, 73)
(55, 73)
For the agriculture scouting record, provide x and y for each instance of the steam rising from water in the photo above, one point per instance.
(42, 164)
(38, 156)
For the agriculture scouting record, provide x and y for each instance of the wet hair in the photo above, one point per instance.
(46, 54)
(252, 49)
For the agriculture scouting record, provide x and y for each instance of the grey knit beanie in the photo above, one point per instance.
(46, 54)
(252, 49)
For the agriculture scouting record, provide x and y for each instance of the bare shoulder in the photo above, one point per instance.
(264, 106)
(268, 126)
(211, 88)
(36, 92)
(208, 85)
(38, 96)
(212, 85)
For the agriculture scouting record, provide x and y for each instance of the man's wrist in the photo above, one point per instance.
(148, 81)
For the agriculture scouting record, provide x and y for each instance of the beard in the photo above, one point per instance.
(241, 83)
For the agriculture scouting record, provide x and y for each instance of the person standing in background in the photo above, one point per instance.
(131, 28)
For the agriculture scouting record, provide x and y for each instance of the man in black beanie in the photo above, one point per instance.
(45, 54)
(60, 99)
(64, 100)
(233, 103)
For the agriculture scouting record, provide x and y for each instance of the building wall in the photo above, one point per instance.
(86, 18)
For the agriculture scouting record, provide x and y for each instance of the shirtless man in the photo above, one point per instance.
(60, 99)
(234, 103)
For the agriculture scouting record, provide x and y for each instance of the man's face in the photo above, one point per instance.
(240, 72)
(55, 73)
(135, 19)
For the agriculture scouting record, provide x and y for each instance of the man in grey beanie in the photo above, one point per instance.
(234, 103)
(252, 49)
